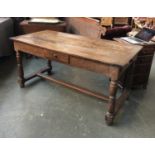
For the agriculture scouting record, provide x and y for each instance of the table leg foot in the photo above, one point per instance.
(109, 118)
(21, 84)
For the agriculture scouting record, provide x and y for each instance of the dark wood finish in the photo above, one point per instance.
(50, 67)
(26, 27)
(143, 65)
(106, 57)
(20, 69)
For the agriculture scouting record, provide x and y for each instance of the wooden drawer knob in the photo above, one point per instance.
(55, 56)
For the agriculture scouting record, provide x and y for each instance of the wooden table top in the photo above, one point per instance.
(104, 51)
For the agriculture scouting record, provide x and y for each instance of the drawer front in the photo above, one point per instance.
(57, 56)
(29, 49)
(43, 53)
(89, 65)
(144, 59)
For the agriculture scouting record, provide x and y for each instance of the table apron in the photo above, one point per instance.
(102, 68)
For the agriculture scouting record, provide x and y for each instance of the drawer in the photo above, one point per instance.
(89, 65)
(57, 56)
(25, 48)
(144, 59)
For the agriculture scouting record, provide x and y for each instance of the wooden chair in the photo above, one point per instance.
(85, 26)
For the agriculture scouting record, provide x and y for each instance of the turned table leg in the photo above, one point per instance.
(50, 67)
(109, 117)
(20, 69)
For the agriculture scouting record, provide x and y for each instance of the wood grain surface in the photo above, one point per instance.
(104, 51)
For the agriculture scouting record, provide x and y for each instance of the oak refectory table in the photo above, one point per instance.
(109, 58)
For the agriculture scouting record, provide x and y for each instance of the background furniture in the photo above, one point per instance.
(26, 27)
(6, 31)
(141, 22)
(142, 66)
(106, 27)
(116, 26)
(85, 26)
